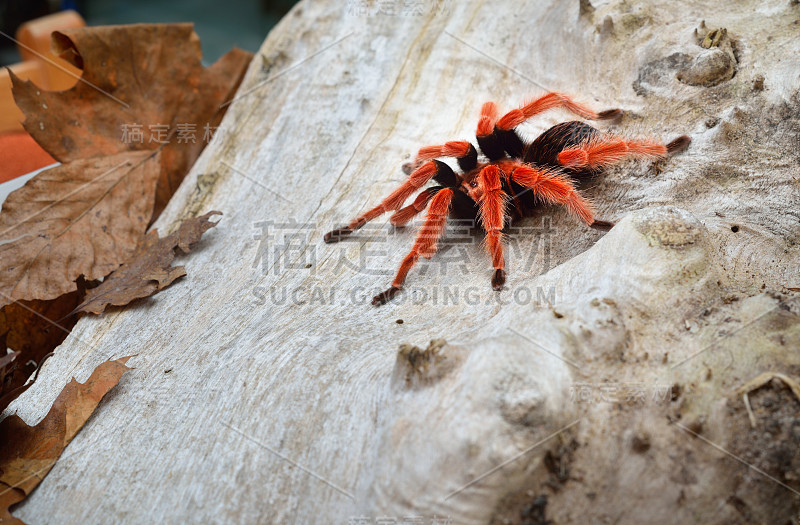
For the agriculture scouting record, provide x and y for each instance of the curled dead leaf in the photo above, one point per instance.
(32, 330)
(6, 369)
(28, 453)
(12, 390)
(149, 269)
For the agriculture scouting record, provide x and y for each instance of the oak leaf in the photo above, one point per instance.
(28, 453)
(150, 268)
(82, 218)
(145, 77)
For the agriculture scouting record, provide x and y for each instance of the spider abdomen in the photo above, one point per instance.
(544, 150)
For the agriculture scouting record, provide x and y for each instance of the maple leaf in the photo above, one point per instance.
(82, 218)
(28, 453)
(149, 270)
(146, 75)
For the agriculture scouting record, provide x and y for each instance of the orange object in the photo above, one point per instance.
(10, 115)
(39, 65)
(20, 154)
(515, 117)
(426, 243)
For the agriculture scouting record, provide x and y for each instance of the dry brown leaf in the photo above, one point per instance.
(142, 74)
(28, 453)
(13, 393)
(10, 497)
(86, 217)
(33, 329)
(6, 367)
(149, 270)
(82, 218)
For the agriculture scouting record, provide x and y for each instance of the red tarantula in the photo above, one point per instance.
(511, 181)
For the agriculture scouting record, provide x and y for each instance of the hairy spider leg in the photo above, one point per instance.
(425, 244)
(403, 216)
(485, 133)
(463, 151)
(679, 144)
(556, 188)
(488, 119)
(395, 200)
(515, 117)
(493, 204)
(502, 138)
(455, 148)
(600, 152)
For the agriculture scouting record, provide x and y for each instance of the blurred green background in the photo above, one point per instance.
(220, 24)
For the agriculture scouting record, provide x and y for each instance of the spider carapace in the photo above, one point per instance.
(508, 184)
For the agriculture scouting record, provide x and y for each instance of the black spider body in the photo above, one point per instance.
(541, 153)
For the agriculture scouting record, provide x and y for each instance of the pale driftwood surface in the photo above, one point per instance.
(302, 412)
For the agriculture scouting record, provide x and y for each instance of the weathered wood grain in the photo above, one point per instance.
(245, 407)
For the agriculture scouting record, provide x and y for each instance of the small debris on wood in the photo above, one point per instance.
(416, 364)
(640, 443)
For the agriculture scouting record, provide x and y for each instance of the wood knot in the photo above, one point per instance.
(669, 228)
(418, 367)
